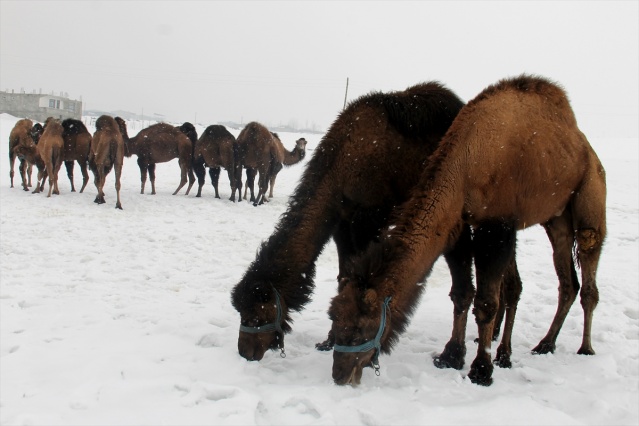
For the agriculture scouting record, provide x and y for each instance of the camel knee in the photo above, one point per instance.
(462, 300)
(485, 310)
(588, 240)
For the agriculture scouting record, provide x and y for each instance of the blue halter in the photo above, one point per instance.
(371, 344)
(273, 326)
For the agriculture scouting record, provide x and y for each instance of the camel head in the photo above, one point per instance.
(263, 320)
(36, 132)
(300, 145)
(360, 324)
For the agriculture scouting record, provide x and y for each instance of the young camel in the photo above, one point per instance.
(514, 157)
(217, 148)
(261, 152)
(107, 152)
(50, 149)
(160, 143)
(77, 144)
(21, 135)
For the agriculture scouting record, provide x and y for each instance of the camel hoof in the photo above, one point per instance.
(503, 361)
(118, 206)
(452, 357)
(544, 348)
(585, 351)
(481, 373)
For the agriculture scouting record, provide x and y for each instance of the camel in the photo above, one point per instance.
(514, 157)
(77, 144)
(21, 135)
(261, 152)
(217, 148)
(362, 168)
(107, 152)
(50, 149)
(160, 143)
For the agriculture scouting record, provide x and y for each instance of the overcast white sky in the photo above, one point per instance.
(287, 62)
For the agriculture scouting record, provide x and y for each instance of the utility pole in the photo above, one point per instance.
(346, 94)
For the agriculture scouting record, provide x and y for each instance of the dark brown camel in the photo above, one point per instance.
(363, 167)
(107, 152)
(160, 143)
(50, 149)
(261, 152)
(514, 157)
(21, 135)
(77, 144)
(217, 148)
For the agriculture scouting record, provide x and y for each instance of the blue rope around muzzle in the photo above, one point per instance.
(273, 326)
(371, 344)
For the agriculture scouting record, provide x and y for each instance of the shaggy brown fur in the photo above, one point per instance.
(160, 143)
(21, 135)
(217, 148)
(50, 149)
(77, 144)
(363, 167)
(513, 158)
(261, 152)
(107, 152)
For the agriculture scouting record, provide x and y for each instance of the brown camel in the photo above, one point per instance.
(217, 148)
(160, 143)
(261, 152)
(363, 167)
(21, 135)
(50, 149)
(514, 157)
(77, 144)
(107, 152)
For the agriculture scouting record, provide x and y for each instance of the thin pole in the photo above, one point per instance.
(346, 94)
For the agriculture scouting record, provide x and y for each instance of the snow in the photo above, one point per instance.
(113, 317)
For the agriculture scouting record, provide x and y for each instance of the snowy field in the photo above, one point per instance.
(112, 317)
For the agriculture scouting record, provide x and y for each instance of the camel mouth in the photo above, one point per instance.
(353, 379)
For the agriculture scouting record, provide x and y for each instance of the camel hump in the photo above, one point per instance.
(425, 108)
(73, 127)
(217, 131)
(106, 122)
(528, 84)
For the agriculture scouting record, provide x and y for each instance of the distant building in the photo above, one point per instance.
(39, 107)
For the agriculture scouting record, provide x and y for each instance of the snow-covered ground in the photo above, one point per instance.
(112, 317)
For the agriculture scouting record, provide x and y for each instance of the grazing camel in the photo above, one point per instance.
(160, 143)
(77, 144)
(363, 167)
(50, 149)
(21, 135)
(107, 152)
(261, 152)
(514, 157)
(217, 148)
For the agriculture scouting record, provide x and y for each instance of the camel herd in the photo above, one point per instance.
(398, 180)
(257, 150)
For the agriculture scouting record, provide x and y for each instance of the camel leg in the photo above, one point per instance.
(231, 174)
(589, 214)
(510, 293)
(69, 166)
(118, 174)
(561, 236)
(191, 176)
(494, 248)
(29, 172)
(12, 160)
(23, 167)
(143, 172)
(200, 172)
(276, 170)
(263, 187)
(214, 172)
(85, 175)
(152, 178)
(459, 260)
(183, 178)
(250, 183)
(56, 171)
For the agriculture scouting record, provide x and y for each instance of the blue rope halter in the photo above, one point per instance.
(371, 344)
(273, 326)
